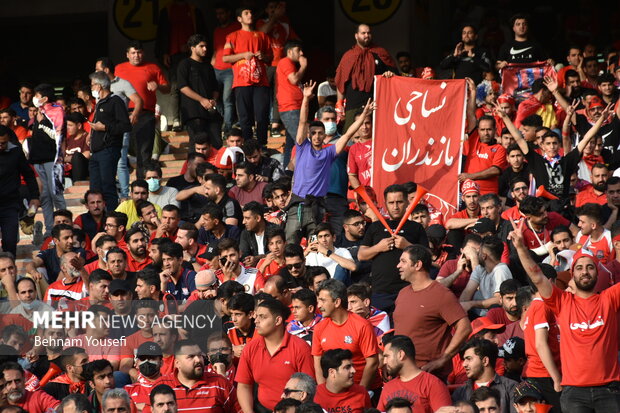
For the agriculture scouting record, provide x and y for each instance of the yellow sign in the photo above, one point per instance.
(369, 11)
(137, 19)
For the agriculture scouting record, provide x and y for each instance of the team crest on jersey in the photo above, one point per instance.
(493, 149)
(348, 339)
(600, 255)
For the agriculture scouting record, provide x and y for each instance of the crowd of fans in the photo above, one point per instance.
(311, 299)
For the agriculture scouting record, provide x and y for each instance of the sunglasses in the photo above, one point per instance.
(287, 392)
(296, 266)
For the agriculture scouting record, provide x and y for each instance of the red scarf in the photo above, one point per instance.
(74, 387)
(591, 160)
(358, 66)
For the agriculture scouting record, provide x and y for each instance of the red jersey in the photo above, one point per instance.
(359, 161)
(281, 32)
(219, 40)
(242, 41)
(589, 344)
(133, 265)
(536, 239)
(602, 249)
(540, 316)
(425, 392)
(132, 342)
(289, 95)
(464, 214)
(213, 393)
(272, 371)
(356, 334)
(587, 196)
(211, 158)
(512, 214)
(60, 289)
(139, 77)
(354, 400)
(481, 156)
(89, 268)
(38, 401)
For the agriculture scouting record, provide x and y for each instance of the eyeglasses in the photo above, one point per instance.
(296, 266)
(287, 392)
(357, 224)
(110, 225)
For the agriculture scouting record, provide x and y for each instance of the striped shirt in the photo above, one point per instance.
(69, 291)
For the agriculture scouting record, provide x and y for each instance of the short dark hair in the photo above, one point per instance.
(46, 90)
(351, 213)
(519, 16)
(192, 231)
(419, 252)
(570, 73)
(103, 239)
(135, 44)
(488, 119)
(306, 296)
(482, 348)
(284, 404)
(242, 302)
(149, 277)
(516, 180)
(324, 226)
(178, 346)
(509, 286)
(592, 211)
(250, 146)
(63, 213)
(332, 359)
(485, 393)
(228, 289)
(99, 275)
(249, 168)
(524, 297)
(213, 211)
(152, 166)
(273, 233)
(361, 290)
(57, 229)
(92, 192)
(131, 232)
(195, 39)
(79, 400)
(141, 183)
(143, 204)
(395, 188)
(403, 54)
(217, 180)
(531, 205)
(116, 250)
(226, 244)
(255, 208)
(291, 44)
(494, 245)
(398, 402)
(161, 389)
(532, 120)
(293, 250)
(94, 367)
(239, 11)
(120, 218)
(276, 308)
(402, 343)
(316, 124)
(173, 249)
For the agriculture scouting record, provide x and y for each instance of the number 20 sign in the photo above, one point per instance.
(137, 19)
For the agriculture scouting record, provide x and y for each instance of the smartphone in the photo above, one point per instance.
(223, 261)
(313, 239)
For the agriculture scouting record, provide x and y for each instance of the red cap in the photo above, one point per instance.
(581, 254)
(484, 323)
(505, 98)
(594, 102)
(428, 73)
(470, 186)
(226, 157)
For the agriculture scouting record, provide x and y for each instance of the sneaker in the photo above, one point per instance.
(176, 126)
(37, 238)
(32, 211)
(27, 226)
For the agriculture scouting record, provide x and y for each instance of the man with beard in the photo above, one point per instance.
(253, 243)
(468, 60)
(50, 353)
(593, 236)
(519, 188)
(408, 380)
(609, 127)
(148, 362)
(72, 381)
(270, 359)
(176, 279)
(37, 401)
(338, 393)
(588, 322)
(354, 229)
(195, 388)
(508, 312)
(595, 193)
(136, 259)
(93, 220)
(100, 377)
(356, 71)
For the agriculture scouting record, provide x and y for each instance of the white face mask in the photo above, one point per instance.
(95, 94)
(330, 128)
(37, 102)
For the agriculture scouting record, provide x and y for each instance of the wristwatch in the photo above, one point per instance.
(328, 253)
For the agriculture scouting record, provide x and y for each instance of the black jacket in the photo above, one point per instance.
(504, 385)
(13, 164)
(112, 112)
(248, 244)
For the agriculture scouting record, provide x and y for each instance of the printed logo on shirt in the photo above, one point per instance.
(517, 51)
(482, 155)
(340, 409)
(583, 326)
(287, 362)
(348, 339)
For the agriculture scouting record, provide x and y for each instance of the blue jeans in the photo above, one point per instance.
(123, 166)
(103, 166)
(51, 196)
(595, 399)
(290, 118)
(224, 79)
(342, 274)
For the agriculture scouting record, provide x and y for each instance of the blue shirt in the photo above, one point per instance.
(312, 169)
(184, 287)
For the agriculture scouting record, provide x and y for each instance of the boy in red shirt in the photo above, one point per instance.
(249, 51)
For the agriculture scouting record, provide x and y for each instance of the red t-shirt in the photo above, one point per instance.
(463, 214)
(589, 344)
(134, 265)
(242, 41)
(425, 392)
(219, 40)
(133, 341)
(359, 161)
(460, 283)
(587, 196)
(89, 268)
(38, 401)
(289, 95)
(354, 400)
(481, 156)
(59, 289)
(512, 214)
(271, 372)
(281, 32)
(602, 249)
(498, 316)
(540, 316)
(534, 240)
(356, 334)
(139, 76)
(211, 157)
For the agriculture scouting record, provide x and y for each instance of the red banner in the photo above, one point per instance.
(517, 78)
(418, 134)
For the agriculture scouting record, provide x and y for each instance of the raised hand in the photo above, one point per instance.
(308, 90)
(551, 84)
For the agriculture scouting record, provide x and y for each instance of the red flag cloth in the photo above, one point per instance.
(358, 67)
(520, 76)
(418, 133)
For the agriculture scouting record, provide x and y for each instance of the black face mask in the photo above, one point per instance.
(148, 368)
(219, 358)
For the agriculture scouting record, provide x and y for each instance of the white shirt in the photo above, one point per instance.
(320, 260)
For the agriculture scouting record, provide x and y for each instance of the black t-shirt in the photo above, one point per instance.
(358, 98)
(231, 209)
(200, 77)
(206, 321)
(609, 132)
(51, 261)
(362, 273)
(179, 183)
(506, 178)
(190, 208)
(385, 278)
(556, 179)
(521, 52)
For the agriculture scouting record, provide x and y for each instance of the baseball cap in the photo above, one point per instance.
(119, 285)
(594, 102)
(227, 157)
(483, 225)
(149, 348)
(209, 254)
(75, 117)
(525, 390)
(513, 348)
(470, 186)
(484, 323)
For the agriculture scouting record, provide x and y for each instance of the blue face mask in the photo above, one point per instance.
(330, 128)
(153, 184)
